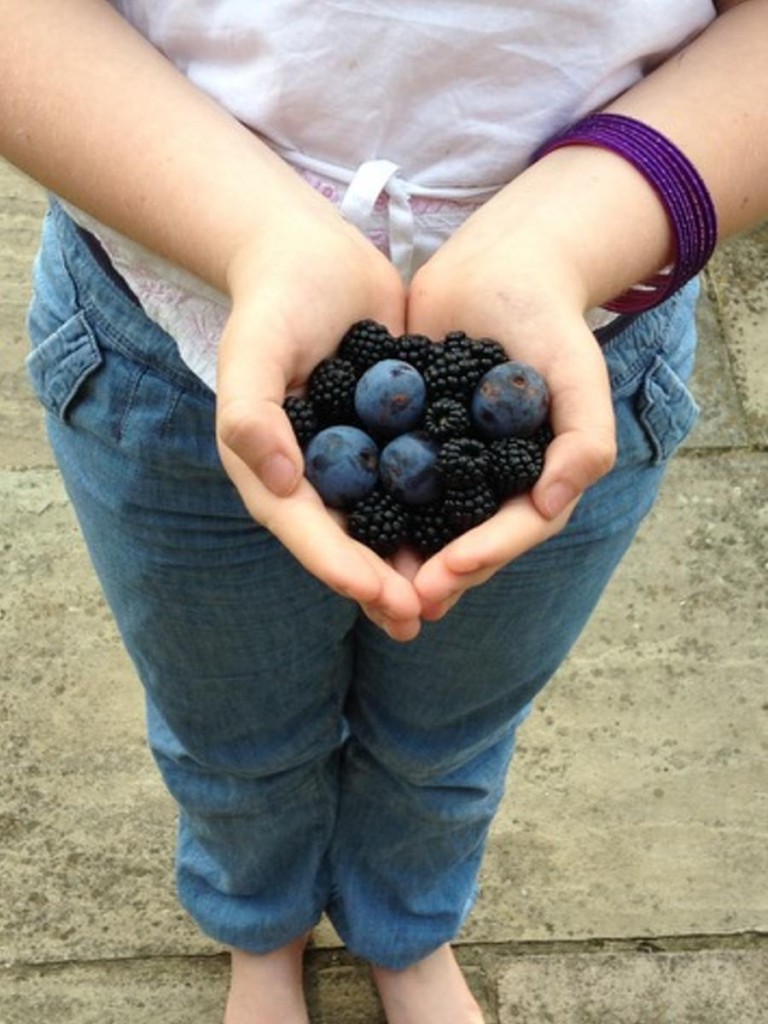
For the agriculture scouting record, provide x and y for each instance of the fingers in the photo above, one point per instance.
(263, 354)
(473, 558)
(581, 414)
(317, 539)
(407, 562)
(583, 450)
(270, 346)
(260, 434)
(396, 629)
(255, 365)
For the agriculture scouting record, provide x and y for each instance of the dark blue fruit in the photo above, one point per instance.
(390, 397)
(511, 400)
(341, 463)
(407, 469)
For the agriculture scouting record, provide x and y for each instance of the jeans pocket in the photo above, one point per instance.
(665, 409)
(61, 364)
(649, 365)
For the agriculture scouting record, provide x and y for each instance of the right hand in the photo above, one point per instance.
(292, 301)
(497, 278)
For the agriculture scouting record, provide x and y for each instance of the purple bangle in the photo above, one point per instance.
(677, 184)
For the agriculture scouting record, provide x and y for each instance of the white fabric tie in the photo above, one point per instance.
(369, 181)
(374, 178)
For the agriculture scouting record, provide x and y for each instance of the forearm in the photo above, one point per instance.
(92, 111)
(596, 209)
(710, 100)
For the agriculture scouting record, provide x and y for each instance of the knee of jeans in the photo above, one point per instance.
(456, 786)
(470, 747)
(227, 759)
(217, 791)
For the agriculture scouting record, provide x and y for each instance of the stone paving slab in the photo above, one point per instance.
(739, 273)
(639, 800)
(85, 827)
(637, 805)
(189, 989)
(722, 422)
(586, 987)
(22, 203)
(138, 992)
(719, 987)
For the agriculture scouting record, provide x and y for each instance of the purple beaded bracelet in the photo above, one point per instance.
(676, 182)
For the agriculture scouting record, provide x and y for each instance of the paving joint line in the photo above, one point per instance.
(469, 953)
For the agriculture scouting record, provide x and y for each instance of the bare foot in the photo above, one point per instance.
(268, 988)
(432, 991)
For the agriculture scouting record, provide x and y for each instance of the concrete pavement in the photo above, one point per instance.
(627, 874)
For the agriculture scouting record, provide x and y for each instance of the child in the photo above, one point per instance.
(237, 184)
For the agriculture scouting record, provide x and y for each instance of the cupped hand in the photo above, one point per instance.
(490, 281)
(292, 301)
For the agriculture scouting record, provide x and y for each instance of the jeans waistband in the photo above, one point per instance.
(113, 307)
(98, 253)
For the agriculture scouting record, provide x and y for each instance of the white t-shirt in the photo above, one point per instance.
(406, 113)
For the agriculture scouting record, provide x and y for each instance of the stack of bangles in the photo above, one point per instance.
(679, 187)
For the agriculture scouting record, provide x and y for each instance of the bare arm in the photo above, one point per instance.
(603, 217)
(573, 231)
(92, 111)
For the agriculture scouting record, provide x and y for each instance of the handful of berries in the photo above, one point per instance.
(419, 441)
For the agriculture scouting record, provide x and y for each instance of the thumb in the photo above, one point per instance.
(584, 447)
(250, 420)
(260, 434)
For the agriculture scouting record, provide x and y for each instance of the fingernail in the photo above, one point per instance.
(279, 474)
(557, 496)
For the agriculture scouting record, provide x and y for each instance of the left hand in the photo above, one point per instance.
(490, 281)
(296, 285)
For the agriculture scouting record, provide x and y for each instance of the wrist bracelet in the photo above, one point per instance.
(677, 184)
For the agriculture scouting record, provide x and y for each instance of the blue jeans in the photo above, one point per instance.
(318, 766)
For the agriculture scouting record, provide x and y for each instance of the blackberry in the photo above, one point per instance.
(430, 530)
(465, 509)
(303, 417)
(450, 373)
(462, 463)
(446, 418)
(331, 391)
(459, 344)
(458, 364)
(366, 343)
(415, 349)
(488, 353)
(516, 465)
(456, 336)
(478, 355)
(380, 522)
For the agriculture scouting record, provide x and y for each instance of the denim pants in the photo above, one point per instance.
(318, 766)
